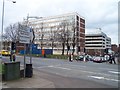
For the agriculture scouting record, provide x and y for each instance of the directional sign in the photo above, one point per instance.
(24, 34)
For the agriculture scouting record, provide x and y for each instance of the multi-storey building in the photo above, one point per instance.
(5, 45)
(51, 32)
(96, 42)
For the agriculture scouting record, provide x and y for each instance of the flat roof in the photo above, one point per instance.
(94, 32)
(57, 16)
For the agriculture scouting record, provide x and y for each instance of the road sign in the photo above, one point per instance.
(24, 34)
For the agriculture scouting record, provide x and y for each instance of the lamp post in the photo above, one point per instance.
(3, 23)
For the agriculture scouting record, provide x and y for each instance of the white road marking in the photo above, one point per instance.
(112, 79)
(103, 78)
(59, 67)
(41, 67)
(53, 66)
(107, 69)
(47, 66)
(96, 77)
(95, 73)
(76, 65)
(114, 72)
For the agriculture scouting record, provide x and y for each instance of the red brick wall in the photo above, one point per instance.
(114, 48)
(82, 34)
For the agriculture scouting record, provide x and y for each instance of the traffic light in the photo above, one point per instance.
(13, 46)
(84, 50)
(68, 47)
(78, 48)
(106, 50)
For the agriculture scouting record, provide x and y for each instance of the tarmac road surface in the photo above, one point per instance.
(65, 74)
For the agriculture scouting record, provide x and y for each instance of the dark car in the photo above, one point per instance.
(89, 58)
(84, 57)
(80, 58)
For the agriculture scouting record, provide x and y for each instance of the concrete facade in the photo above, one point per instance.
(48, 32)
(96, 42)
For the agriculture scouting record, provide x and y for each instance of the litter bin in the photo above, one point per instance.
(28, 70)
(11, 71)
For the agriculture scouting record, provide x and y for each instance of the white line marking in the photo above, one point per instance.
(106, 69)
(114, 72)
(59, 67)
(46, 66)
(41, 67)
(111, 79)
(97, 77)
(76, 65)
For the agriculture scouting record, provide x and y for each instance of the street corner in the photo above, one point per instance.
(34, 82)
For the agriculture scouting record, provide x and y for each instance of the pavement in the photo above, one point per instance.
(34, 82)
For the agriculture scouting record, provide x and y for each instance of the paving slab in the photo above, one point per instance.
(35, 82)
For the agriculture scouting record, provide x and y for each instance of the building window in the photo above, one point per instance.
(77, 18)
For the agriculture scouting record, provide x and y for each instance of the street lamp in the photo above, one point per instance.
(3, 22)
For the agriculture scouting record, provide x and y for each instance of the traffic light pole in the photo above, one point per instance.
(30, 52)
(24, 59)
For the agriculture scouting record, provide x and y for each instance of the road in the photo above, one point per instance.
(75, 74)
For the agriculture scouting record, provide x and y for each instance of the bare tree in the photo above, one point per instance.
(64, 35)
(12, 32)
(68, 36)
(52, 36)
(74, 36)
(41, 34)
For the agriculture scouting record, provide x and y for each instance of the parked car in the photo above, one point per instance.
(5, 52)
(80, 58)
(106, 57)
(86, 57)
(89, 58)
(98, 59)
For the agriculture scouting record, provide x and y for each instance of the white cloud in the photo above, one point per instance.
(112, 31)
(98, 13)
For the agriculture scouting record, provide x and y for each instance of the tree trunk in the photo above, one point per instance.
(73, 48)
(63, 45)
(52, 45)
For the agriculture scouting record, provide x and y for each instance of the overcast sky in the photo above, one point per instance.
(97, 13)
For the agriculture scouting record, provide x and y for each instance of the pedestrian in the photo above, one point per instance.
(44, 55)
(84, 58)
(113, 59)
(77, 58)
(110, 59)
(70, 58)
(10, 57)
(14, 57)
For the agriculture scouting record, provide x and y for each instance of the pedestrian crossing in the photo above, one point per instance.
(103, 78)
(114, 72)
